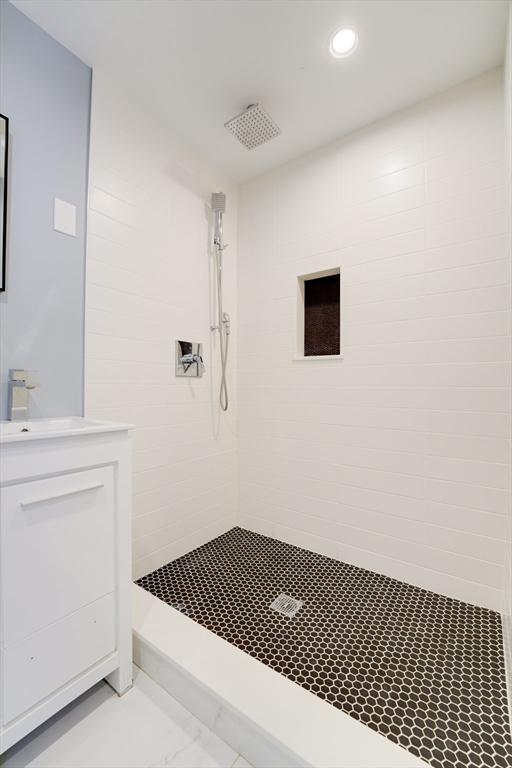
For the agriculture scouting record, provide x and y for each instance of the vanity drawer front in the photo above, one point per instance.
(52, 657)
(58, 549)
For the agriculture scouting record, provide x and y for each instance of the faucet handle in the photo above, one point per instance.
(21, 377)
(17, 375)
(190, 359)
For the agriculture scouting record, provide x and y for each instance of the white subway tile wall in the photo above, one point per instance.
(148, 283)
(396, 458)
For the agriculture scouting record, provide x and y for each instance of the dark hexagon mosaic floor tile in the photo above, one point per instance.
(423, 670)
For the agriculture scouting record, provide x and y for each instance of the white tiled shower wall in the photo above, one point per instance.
(147, 285)
(395, 458)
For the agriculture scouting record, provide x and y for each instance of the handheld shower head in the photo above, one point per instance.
(219, 202)
(218, 210)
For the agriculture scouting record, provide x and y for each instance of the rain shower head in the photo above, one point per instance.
(219, 202)
(253, 127)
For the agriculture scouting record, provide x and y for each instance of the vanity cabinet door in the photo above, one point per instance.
(42, 663)
(57, 548)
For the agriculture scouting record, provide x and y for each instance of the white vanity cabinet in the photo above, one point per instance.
(65, 566)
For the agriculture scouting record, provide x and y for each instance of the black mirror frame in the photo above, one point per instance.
(3, 234)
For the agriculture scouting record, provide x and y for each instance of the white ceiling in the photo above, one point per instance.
(197, 63)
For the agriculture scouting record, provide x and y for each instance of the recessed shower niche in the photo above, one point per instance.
(319, 315)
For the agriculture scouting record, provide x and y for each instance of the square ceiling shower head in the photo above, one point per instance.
(253, 127)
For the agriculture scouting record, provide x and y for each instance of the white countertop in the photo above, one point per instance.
(37, 429)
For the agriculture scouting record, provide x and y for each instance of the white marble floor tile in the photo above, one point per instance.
(146, 728)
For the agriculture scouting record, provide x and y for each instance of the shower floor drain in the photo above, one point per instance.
(288, 606)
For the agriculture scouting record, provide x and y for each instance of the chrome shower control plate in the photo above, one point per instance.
(189, 359)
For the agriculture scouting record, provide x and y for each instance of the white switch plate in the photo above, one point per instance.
(64, 217)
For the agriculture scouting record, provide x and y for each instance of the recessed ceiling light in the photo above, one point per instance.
(343, 43)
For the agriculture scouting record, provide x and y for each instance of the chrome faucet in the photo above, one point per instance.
(19, 388)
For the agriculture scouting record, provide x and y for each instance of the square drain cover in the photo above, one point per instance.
(286, 605)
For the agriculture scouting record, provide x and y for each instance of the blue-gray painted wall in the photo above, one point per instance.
(45, 91)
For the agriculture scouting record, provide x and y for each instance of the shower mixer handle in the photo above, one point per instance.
(188, 360)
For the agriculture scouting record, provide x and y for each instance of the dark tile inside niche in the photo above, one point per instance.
(423, 670)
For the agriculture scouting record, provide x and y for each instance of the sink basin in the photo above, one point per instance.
(42, 425)
(14, 431)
